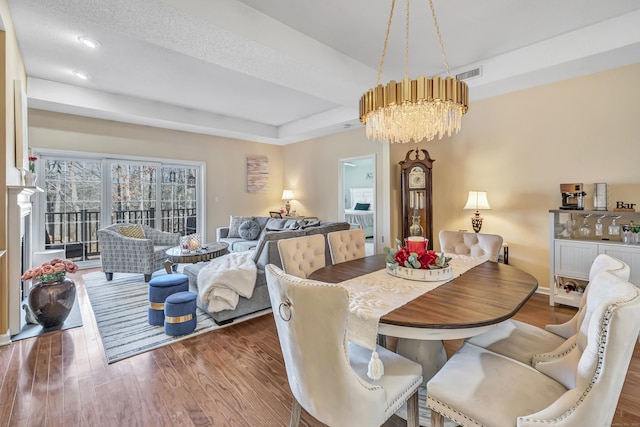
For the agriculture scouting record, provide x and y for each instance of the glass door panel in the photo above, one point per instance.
(73, 193)
(134, 193)
(179, 199)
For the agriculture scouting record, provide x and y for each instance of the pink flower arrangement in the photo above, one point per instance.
(53, 270)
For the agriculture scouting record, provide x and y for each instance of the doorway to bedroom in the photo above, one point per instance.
(357, 204)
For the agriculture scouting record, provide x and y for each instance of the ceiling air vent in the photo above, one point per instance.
(469, 74)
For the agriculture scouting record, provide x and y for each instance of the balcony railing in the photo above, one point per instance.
(77, 232)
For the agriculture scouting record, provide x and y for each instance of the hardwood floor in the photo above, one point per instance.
(231, 377)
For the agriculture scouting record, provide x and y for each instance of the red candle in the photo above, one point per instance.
(417, 244)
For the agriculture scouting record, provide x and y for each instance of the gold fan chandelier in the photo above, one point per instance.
(414, 110)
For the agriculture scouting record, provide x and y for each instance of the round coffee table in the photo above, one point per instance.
(209, 251)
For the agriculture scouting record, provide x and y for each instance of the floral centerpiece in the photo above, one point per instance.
(51, 271)
(425, 260)
(423, 266)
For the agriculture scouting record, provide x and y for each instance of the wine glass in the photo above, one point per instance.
(585, 228)
(598, 226)
(614, 229)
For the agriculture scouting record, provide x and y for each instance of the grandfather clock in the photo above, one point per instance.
(417, 207)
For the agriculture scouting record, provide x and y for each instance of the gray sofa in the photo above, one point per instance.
(266, 252)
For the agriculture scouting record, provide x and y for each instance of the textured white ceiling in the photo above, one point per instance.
(281, 71)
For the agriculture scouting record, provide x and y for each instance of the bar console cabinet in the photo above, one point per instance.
(572, 251)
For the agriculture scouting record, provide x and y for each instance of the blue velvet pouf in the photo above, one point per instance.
(180, 314)
(160, 288)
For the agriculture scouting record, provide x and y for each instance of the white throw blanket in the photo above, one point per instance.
(225, 279)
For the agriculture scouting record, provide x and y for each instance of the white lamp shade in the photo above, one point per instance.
(287, 195)
(477, 200)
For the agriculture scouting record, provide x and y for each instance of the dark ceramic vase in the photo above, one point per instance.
(51, 302)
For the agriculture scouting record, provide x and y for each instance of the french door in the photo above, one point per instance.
(83, 195)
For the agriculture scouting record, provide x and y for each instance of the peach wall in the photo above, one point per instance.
(519, 147)
(312, 170)
(225, 159)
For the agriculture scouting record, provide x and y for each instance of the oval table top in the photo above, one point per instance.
(482, 297)
(208, 251)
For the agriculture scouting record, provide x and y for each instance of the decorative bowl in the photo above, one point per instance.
(435, 275)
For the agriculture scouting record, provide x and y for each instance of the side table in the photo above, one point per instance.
(175, 255)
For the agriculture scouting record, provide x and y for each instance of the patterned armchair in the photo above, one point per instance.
(123, 254)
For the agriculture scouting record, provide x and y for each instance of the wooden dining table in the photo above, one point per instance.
(470, 304)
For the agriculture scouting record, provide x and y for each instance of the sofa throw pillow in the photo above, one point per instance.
(295, 224)
(311, 223)
(362, 207)
(249, 230)
(235, 223)
(135, 231)
(275, 224)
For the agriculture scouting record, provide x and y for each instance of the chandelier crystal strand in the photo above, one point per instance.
(414, 110)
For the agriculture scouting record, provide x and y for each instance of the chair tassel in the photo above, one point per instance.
(376, 368)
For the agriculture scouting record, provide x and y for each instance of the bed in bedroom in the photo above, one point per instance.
(360, 214)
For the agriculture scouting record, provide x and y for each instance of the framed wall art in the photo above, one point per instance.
(257, 174)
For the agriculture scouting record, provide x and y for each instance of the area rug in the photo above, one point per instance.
(120, 308)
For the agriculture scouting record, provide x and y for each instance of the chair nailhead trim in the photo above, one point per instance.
(604, 326)
(461, 417)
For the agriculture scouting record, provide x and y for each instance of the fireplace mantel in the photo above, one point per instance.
(19, 225)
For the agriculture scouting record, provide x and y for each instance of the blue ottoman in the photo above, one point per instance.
(180, 314)
(159, 289)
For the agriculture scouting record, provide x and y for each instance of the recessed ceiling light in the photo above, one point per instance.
(89, 42)
(81, 75)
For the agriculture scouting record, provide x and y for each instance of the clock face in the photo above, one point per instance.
(416, 178)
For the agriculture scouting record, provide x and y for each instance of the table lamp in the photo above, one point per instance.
(477, 200)
(287, 196)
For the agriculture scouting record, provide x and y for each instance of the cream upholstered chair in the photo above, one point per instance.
(346, 245)
(471, 244)
(578, 384)
(602, 262)
(301, 256)
(327, 374)
(522, 341)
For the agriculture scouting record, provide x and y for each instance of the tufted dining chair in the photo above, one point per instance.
(576, 385)
(346, 245)
(521, 341)
(471, 244)
(326, 373)
(301, 256)
(602, 262)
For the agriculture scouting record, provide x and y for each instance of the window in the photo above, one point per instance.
(77, 193)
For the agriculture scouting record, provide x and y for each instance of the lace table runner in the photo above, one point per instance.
(375, 294)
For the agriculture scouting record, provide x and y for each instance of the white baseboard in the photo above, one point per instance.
(5, 339)
(543, 291)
